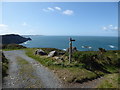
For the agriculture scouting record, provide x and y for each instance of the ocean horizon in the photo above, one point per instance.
(82, 43)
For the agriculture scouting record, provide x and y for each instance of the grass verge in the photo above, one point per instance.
(110, 81)
(4, 64)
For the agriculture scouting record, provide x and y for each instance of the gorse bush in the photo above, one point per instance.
(97, 61)
(90, 60)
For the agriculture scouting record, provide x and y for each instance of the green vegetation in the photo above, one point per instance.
(12, 46)
(62, 68)
(42, 59)
(74, 74)
(107, 62)
(4, 65)
(110, 81)
(85, 65)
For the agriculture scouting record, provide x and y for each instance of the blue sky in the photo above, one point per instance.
(67, 18)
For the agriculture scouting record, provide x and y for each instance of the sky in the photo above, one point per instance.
(60, 18)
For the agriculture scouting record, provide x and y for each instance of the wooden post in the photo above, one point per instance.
(70, 49)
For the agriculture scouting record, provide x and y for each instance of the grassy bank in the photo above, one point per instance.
(4, 65)
(86, 65)
(110, 81)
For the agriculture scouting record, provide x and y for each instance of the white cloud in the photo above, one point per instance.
(68, 12)
(3, 27)
(24, 24)
(104, 28)
(65, 12)
(48, 9)
(116, 28)
(110, 27)
(58, 8)
(51, 9)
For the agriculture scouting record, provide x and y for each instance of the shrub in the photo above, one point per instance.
(4, 65)
(12, 46)
(90, 60)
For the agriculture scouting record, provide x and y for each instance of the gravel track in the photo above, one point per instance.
(15, 80)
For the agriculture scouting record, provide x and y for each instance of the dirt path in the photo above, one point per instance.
(15, 80)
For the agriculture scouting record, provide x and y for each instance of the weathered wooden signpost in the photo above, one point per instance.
(70, 49)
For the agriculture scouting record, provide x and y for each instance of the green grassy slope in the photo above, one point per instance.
(85, 65)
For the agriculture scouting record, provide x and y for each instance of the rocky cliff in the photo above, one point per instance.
(13, 39)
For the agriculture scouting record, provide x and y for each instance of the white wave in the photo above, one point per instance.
(86, 47)
(111, 46)
(89, 47)
(64, 49)
(82, 46)
(26, 42)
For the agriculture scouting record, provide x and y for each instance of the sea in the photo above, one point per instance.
(82, 43)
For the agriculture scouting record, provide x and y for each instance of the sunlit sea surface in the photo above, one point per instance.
(83, 43)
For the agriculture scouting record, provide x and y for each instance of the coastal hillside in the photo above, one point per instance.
(13, 38)
(50, 67)
(87, 69)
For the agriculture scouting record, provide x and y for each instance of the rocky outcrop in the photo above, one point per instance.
(40, 52)
(52, 53)
(13, 39)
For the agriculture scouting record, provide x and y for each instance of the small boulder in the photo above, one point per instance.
(58, 58)
(52, 53)
(102, 50)
(40, 52)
